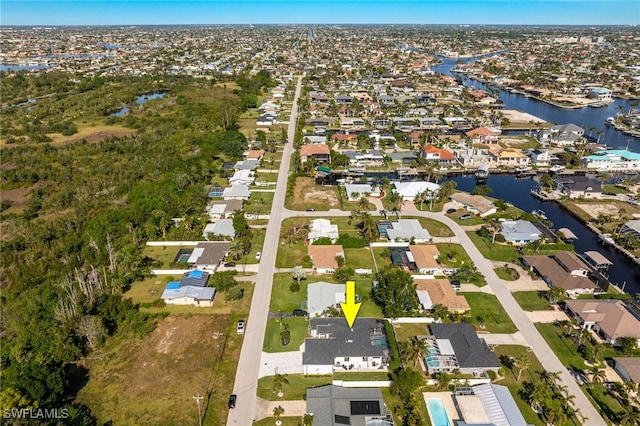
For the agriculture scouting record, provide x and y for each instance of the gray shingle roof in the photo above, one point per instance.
(343, 341)
(327, 402)
(471, 352)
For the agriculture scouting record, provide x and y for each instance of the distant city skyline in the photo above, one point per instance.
(149, 12)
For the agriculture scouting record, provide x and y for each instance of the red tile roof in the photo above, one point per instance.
(314, 149)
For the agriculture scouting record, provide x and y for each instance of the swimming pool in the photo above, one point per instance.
(438, 412)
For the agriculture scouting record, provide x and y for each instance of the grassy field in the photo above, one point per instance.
(507, 274)
(435, 228)
(492, 314)
(358, 258)
(91, 133)
(531, 300)
(259, 203)
(504, 352)
(309, 195)
(453, 255)
(608, 406)
(564, 348)
(500, 252)
(151, 380)
(291, 255)
(298, 328)
(407, 331)
(295, 390)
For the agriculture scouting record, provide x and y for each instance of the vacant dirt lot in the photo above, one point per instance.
(308, 194)
(152, 381)
(594, 210)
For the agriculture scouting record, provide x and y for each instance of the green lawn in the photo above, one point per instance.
(500, 252)
(163, 254)
(436, 228)
(506, 273)
(360, 375)
(291, 255)
(295, 390)
(614, 189)
(407, 331)
(260, 202)
(531, 300)
(487, 306)
(453, 255)
(607, 405)
(298, 327)
(286, 421)
(358, 258)
(256, 246)
(504, 352)
(380, 261)
(564, 348)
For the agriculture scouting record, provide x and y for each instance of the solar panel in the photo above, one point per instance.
(365, 407)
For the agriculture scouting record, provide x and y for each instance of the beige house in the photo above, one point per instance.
(610, 319)
(439, 292)
(425, 258)
(324, 258)
(564, 269)
(509, 157)
(476, 204)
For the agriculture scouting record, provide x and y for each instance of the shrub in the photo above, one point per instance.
(492, 375)
(350, 241)
(294, 287)
(322, 241)
(234, 293)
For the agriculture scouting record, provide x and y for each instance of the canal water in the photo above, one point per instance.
(516, 191)
(139, 100)
(591, 118)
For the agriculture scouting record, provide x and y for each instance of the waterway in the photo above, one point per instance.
(591, 118)
(139, 101)
(623, 272)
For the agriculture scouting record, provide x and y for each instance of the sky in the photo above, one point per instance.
(153, 12)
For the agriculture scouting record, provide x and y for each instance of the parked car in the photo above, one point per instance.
(300, 313)
(258, 254)
(230, 264)
(240, 327)
(455, 284)
(232, 401)
(311, 209)
(465, 217)
(449, 211)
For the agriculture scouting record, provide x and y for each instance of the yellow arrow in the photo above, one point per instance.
(350, 308)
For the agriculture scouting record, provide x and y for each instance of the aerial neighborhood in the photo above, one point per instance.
(390, 229)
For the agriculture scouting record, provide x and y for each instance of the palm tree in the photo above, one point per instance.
(363, 203)
(598, 375)
(629, 416)
(523, 363)
(368, 226)
(277, 412)
(307, 419)
(278, 382)
(236, 250)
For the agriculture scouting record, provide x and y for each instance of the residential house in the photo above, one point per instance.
(355, 191)
(253, 154)
(248, 164)
(237, 192)
(562, 135)
(268, 119)
(403, 230)
(312, 139)
(444, 157)
(320, 152)
(333, 405)
(476, 204)
(403, 157)
(346, 138)
(631, 227)
(610, 319)
(425, 259)
(371, 158)
(324, 258)
(222, 228)
(508, 157)
(457, 347)
(540, 158)
(322, 228)
(565, 270)
(245, 177)
(579, 187)
(519, 231)
(409, 190)
(613, 160)
(488, 404)
(208, 255)
(333, 346)
(628, 368)
(599, 93)
(439, 292)
(190, 290)
(322, 296)
(223, 209)
(483, 135)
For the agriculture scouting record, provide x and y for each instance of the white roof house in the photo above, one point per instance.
(406, 229)
(409, 190)
(237, 192)
(222, 227)
(519, 231)
(242, 177)
(360, 189)
(320, 228)
(322, 295)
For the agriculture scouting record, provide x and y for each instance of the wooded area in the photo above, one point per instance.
(72, 239)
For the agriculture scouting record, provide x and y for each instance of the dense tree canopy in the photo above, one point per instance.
(395, 293)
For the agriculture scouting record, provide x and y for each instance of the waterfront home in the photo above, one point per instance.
(457, 347)
(320, 152)
(371, 158)
(322, 296)
(313, 139)
(519, 231)
(355, 191)
(323, 258)
(333, 346)
(444, 157)
(322, 228)
(613, 160)
(540, 157)
(483, 135)
(631, 227)
(599, 93)
(579, 187)
(565, 270)
(610, 319)
(475, 204)
(439, 292)
(508, 157)
(334, 405)
(562, 135)
(409, 190)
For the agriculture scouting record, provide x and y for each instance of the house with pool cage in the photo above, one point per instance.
(457, 347)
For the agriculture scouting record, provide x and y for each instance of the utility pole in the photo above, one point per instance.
(198, 399)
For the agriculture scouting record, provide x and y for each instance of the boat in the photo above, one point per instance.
(609, 121)
(606, 239)
(556, 169)
(482, 174)
(522, 169)
(539, 213)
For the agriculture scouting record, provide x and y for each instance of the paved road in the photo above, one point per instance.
(246, 383)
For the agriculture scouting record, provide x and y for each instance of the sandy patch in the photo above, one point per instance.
(594, 210)
(515, 116)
